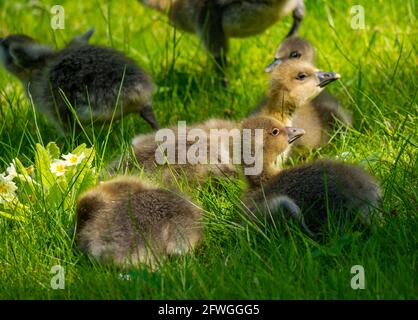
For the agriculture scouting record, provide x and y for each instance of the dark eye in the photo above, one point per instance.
(301, 76)
(275, 132)
(295, 54)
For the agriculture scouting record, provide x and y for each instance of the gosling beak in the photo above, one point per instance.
(88, 34)
(327, 77)
(271, 66)
(294, 133)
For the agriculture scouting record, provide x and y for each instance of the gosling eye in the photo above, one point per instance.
(295, 54)
(301, 76)
(275, 132)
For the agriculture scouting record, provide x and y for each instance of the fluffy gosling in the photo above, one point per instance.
(129, 222)
(313, 191)
(92, 79)
(318, 116)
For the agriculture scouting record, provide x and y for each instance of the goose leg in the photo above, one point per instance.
(298, 15)
(211, 32)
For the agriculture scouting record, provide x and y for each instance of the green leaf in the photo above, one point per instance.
(27, 187)
(11, 217)
(53, 150)
(80, 149)
(85, 175)
(42, 165)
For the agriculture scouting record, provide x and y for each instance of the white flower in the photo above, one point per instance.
(7, 189)
(11, 172)
(58, 167)
(73, 159)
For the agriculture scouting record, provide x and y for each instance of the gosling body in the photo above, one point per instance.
(146, 149)
(323, 190)
(129, 222)
(80, 84)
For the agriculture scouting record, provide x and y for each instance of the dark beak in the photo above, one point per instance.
(271, 66)
(88, 34)
(327, 77)
(294, 133)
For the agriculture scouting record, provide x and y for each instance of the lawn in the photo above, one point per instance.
(379, 85)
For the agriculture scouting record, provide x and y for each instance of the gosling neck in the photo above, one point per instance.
(279, 107)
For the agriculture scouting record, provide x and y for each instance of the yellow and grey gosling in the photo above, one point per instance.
(319, 115)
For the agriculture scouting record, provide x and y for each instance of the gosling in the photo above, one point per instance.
(215, 21)
(129, 222)
(221, 141)
(312, 193)
(148, 147)
(318, 116)
(293, 84)
(79, 84)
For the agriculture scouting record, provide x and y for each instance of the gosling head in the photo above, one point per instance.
(21, 55)
(293, 48)
(296, 82)
(276, 140)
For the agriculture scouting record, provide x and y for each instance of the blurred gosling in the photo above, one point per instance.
(80, 84)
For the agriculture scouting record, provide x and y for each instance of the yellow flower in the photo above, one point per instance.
(73, 159)
(58, 167)
(30, 169)
(7, 189)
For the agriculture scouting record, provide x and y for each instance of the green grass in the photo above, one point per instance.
(379, 85)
